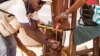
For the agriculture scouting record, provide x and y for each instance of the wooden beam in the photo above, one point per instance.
(96, 47)
(84, 51)
(72, 46)
(96, 43)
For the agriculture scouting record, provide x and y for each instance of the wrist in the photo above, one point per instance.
(64, 14)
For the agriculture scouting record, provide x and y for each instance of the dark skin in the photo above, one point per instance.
(22, 46)
(35, 33)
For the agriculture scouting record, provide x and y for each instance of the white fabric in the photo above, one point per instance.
(35, 15)
(7, 4)
(8, 25)
(18, 9)
(2, 29)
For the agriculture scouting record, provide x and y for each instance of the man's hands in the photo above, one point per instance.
(53, 44)
(61, 17)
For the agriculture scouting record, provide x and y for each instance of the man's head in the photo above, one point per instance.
(37, 4)
(33, 5)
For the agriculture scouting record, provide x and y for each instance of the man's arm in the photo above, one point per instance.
(35, 34)
(20, 13)
(61, 17)
(22, 46)
(75, 6)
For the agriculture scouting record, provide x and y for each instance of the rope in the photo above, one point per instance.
(57, 26)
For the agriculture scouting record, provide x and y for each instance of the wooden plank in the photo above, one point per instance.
(57, 7)
(72, 46)
(84, 51)
(96, 43)
(96, 47)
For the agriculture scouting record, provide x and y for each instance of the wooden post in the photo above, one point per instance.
(72, 46)
(99, 45)
(57, 7)
(96, 47)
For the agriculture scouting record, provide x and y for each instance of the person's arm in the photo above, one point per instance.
(20, 13)
(61, 17)
(22, 46)
(75, 6)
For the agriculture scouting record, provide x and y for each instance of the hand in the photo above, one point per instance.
(53, 44)
(30, 53)
(59, 19)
